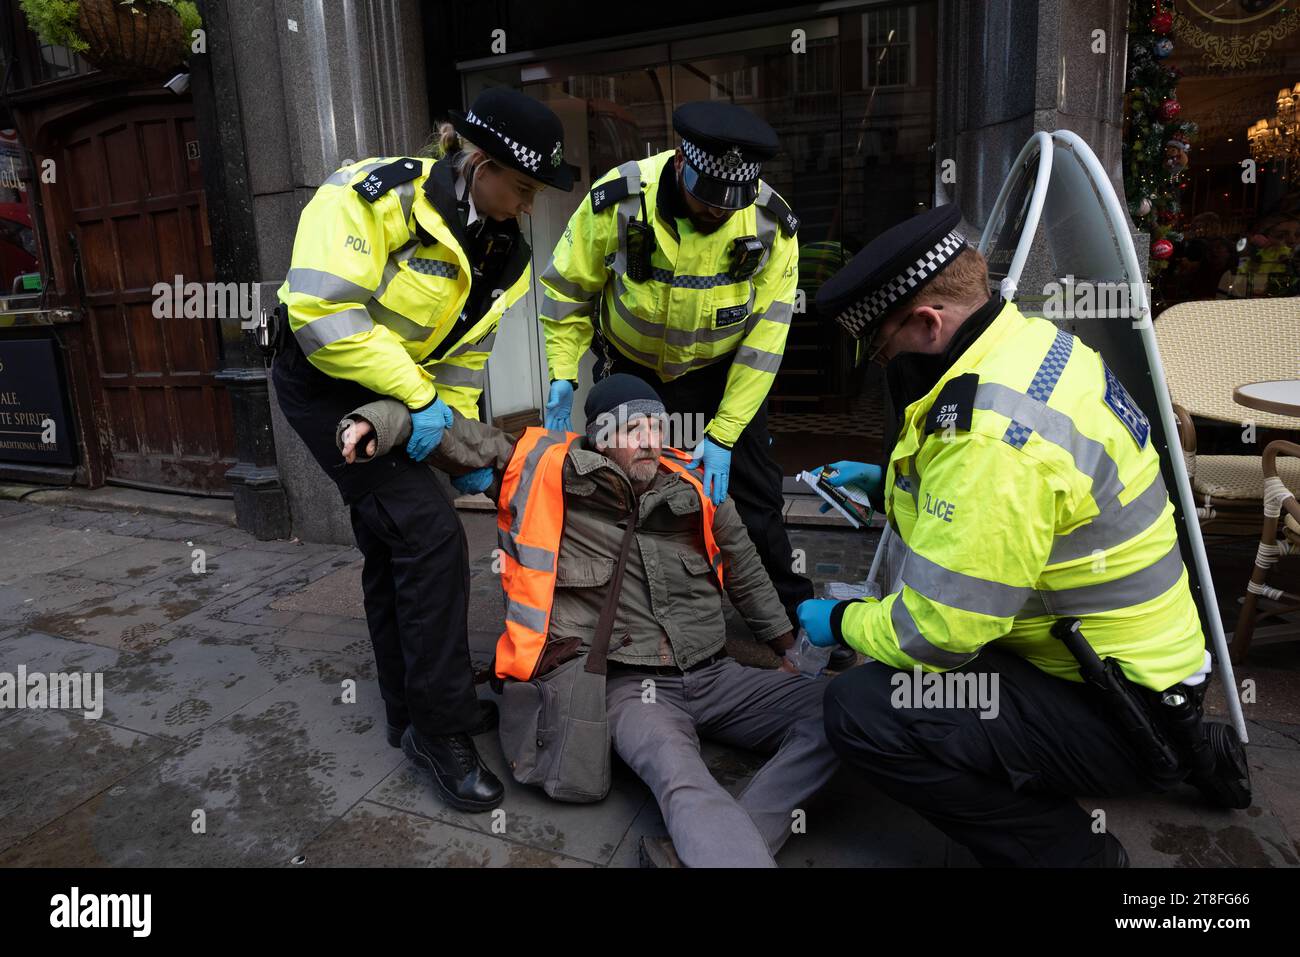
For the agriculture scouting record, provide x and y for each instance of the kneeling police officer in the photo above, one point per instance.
(1040, 562)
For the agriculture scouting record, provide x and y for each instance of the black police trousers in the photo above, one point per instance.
(416, 573)
(1004, 787)
(755, 479)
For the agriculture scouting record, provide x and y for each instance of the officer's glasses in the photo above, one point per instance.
(880, 340)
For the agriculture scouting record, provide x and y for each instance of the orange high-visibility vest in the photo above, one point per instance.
(530, 522)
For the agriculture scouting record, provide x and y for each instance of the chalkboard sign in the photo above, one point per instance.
(35, 426)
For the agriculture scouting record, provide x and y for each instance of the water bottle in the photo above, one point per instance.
(808, 659)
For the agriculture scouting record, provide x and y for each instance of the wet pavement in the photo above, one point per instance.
(242, 723)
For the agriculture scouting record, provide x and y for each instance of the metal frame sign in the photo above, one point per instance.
(1096, 291)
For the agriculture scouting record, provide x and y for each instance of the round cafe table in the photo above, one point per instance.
(1281, 397)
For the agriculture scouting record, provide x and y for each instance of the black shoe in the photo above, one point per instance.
(487, 721)
(459, 774)
(841, 659)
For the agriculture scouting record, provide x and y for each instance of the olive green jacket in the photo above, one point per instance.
(670, 609)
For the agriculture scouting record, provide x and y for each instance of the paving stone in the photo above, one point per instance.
(373, 835)
(268, 778)
(61, 759)
(145, 560)
(1179, 829)
(44, 594)
(35, 548)
(530, 816)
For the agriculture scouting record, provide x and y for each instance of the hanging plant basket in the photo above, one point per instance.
(135, 42)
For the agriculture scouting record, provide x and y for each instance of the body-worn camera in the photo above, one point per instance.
(640, 245)
(746, 254)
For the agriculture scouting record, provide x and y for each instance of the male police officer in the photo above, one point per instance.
(689, 261)
(1026, 491)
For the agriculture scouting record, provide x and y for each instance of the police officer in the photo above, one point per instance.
(688, 262)
(1026, 491)
(401, 270)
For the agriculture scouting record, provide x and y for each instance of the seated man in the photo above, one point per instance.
(669, 625)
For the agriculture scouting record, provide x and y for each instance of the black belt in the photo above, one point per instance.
(667, 670)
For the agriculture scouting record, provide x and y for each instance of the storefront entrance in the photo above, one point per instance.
(855, 112)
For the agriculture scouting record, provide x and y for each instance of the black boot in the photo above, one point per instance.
(459, 774)
(487, 721)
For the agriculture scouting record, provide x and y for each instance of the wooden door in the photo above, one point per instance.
(132, 193)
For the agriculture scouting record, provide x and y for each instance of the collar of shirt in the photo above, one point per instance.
(460, 191)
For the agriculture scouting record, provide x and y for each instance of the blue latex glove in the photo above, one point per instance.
(869, 478)
(558, 405)
(427, 427)
(717, 468)
(472, 482)
(815, 619)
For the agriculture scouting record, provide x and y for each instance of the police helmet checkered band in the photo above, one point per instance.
(729, 166)
(530, 158)
(856, 317)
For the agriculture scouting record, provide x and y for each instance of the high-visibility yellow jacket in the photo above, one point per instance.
(1026, 487)
(691, 312)
(378, 281)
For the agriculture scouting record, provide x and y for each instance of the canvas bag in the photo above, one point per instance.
(555, 728)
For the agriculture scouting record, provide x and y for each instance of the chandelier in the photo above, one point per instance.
(1278, 138)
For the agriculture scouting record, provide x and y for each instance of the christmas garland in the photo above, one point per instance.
(1156, 141)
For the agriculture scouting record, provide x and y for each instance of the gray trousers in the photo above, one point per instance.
(769, 711)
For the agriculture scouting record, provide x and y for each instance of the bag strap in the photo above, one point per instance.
(596, 657)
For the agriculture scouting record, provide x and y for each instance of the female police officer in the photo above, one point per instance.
(401, 270)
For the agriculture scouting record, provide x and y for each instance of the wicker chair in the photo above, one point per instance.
(1279, 538)
(1209, 348)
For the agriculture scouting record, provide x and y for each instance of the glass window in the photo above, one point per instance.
(1236, 233)
(20, 262)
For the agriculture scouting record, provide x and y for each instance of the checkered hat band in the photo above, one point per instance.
(530, 158)
(716, 166)
(857, 316)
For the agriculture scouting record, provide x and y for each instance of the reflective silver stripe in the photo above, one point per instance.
(457, 376)
(527, 556)
(758, 359)
(767, 223)
(406, 193)
(1113, 525)
(557, 309)
(914, 644)
(779, 312)
(685, 338)
(957, 590)
(672, 370)
(408, 329)
(343, 177)
(326, 285)
(552, 277)
(1090, 456)
(519, 501)
(1141, 586)
(483, 345)
(531, 618)
(321, 332)
(394, 264)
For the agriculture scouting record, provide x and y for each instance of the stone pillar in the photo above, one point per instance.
(1010, 69)
(301, 87)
